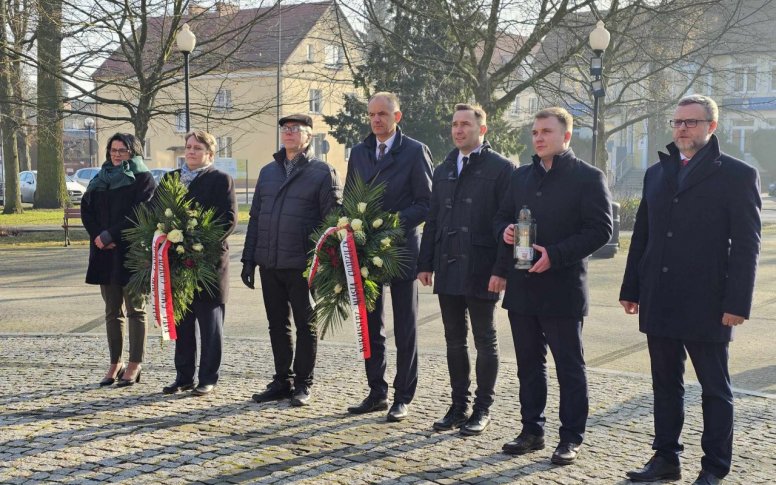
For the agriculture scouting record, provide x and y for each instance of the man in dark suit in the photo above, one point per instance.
(570, 202)
(690, 277)
(458, 245)
(389, 156)
(293, 195)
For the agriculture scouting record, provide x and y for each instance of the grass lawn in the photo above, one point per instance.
(30, 239)
(44, 217)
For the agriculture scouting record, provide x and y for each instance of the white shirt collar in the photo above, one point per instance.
(459, 162)
(388, 144)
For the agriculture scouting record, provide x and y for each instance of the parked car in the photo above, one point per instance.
(84, 175)
(28, 183)
(772, 189)
(158, 172)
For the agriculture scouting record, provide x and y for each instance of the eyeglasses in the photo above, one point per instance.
(118, 151)
(687, 123)
(292, 128)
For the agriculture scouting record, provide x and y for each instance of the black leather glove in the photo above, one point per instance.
(248, 274)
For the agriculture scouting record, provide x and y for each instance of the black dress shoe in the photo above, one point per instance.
(454, 418)
(657, 468)
(476, 424)
(565, 453)
(177, 387)
(108, 381)
(707, 478)
(398, 412)
(525, 443)
(131, 381)
(275, 391)
(301, 396)
(203, 389)
(369, 405)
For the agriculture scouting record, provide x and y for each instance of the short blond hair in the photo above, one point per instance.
(205, 138)
(479, 113)
(560, 114)
(391, 97)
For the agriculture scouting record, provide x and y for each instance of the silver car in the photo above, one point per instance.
(28, 183)
(84, 175)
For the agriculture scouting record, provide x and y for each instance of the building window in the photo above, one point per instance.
(310, 53)
(224, 100)
(745, 79)
(533, 105)
(773, 77)
(316, 100)
(317, 143)
(224, 146)
(180, 122)
(334, 56)
(516, 105)
(147, 148)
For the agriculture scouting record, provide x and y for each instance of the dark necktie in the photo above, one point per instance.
(685, 161)
(382, 151)
(464, 161)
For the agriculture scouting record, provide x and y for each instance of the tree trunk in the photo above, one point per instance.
(50, 192)
(22, 139)
(12, 198)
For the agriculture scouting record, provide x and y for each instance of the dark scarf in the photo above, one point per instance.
(115, 176)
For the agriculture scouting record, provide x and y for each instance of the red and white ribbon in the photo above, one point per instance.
(356, 294)
(161, 288)
(355, 285)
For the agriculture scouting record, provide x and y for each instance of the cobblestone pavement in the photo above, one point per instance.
(57, 425)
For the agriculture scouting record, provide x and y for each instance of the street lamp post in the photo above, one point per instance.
(599, 41)
(186, 41)
(89, 123)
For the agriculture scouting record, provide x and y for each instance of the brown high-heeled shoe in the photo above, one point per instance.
(108, 381)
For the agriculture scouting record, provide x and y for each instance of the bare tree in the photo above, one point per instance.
(12, 200)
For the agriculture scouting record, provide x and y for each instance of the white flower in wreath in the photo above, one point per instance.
(168, 212)
(356, 224)
(158, 232)
(342, 222)
(191, 213)
(197, 247)
(343, 234)
(337, 288)
(361, 207)
(180, 249)
(192, 223)
(175, 236)
(377, 223)
(364, 272)
(160, 227)
(386, 242)
(377, 261)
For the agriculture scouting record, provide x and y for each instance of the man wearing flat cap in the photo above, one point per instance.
(293, 195)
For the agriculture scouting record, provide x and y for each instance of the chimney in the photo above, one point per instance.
(196, 9)
(226, 8)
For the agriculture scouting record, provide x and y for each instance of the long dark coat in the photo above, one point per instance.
(111, 210)
(573, 212)
(285, 211)
(213, 188)
(406, 170)
(458, 243)
(694, 249)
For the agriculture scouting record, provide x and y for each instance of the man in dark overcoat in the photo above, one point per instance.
(458, 245)
(294, 194)
(571, 205)
(404, 165)
(690, 277)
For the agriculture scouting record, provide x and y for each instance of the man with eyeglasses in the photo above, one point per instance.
(690, 277)
(293, 195)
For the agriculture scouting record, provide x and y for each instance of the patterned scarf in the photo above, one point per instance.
(188, 175)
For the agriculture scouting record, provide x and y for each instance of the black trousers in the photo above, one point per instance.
(404, 296)
(710, 360)
(209, 315)
(532, 335)
(454, 310)
(285, 291)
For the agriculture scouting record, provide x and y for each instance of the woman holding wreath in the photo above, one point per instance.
(210, 188)
(122, 183)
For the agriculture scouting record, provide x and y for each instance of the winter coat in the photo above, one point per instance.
(458, 243)
(573, 212)
(695, 244)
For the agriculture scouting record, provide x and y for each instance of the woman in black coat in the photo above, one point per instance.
(210, 188)
(122, 184)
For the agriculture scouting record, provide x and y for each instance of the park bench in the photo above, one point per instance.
(71, 213)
